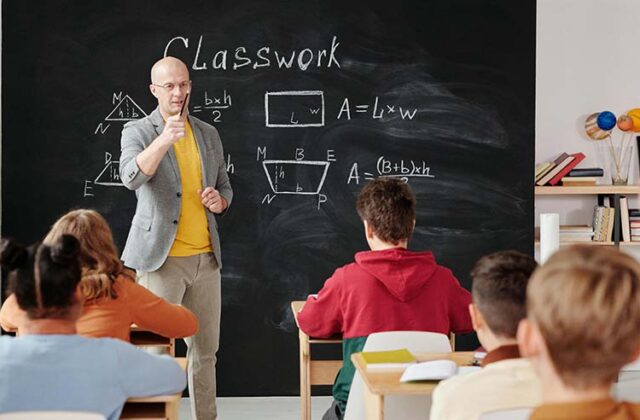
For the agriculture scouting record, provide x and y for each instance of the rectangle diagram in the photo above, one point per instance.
(294, 109)
(295, 176)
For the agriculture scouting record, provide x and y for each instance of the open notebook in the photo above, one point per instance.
(435, 370)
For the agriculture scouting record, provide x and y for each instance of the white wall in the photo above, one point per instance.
(587, 60)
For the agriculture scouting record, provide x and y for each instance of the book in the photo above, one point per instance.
(578, 182)
(634, 213)
(577, 158)
(576, 229)
(624, 219)
(435, 370)
(542, 168)
(611, 215)
(388, 359)
(588, 172)
(560, 162)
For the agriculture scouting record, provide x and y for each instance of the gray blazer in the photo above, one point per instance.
(155, 223)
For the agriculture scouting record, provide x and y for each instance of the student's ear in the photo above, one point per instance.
(636, 356)
(79, 295)
(528, 338)
(476, 317)
(368, 230)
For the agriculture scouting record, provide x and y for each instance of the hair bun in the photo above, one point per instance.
(65, 249)
(12, 254)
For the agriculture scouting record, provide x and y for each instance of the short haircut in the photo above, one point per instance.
(586, 303)
(43, 277)
(389, 207)
(500, 289)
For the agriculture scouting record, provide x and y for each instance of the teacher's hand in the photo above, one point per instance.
(212, 200)
(174, 129)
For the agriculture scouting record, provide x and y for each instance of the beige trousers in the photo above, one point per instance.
(194, 282)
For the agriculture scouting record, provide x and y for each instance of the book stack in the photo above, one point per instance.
(552, 172)
(603, 218)
(582, 177)
(576, 233)
(634, 225)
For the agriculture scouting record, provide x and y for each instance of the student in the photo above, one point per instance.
(51, 368)
(385, 289)
(582, 326)
(506, 380)
(113, 301)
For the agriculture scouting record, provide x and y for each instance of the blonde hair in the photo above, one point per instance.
(98, 256)
(586, 302)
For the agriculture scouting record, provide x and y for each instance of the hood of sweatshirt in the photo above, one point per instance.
(401, 271)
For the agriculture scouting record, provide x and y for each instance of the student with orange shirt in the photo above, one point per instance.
(582, 326)
(113, 300)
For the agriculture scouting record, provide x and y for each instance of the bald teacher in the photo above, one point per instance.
(175, 164)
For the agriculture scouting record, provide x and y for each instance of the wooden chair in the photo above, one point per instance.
(313, 372)
(397, 407)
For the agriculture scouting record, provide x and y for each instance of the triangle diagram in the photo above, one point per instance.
(110, 175)
(126, 110)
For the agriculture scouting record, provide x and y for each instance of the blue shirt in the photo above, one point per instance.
(74, 373)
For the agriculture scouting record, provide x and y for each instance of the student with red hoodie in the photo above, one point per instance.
(388, 288)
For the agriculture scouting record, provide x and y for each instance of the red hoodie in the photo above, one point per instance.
(394, 289)
(388, 290)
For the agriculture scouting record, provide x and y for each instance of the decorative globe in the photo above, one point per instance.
(592, 129)
(634, 114)
(625, 123)
(606, 120)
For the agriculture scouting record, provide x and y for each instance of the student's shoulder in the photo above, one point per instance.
(459, 385)
(347, 270)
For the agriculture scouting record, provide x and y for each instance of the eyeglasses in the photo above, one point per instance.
(169, 87)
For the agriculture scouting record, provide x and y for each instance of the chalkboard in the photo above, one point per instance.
(311, 99)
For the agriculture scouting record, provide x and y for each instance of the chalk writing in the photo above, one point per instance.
(263, 57)
(403, 169)
(216, 104)
(294, 109)
(378, 111)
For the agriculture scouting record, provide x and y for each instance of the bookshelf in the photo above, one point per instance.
(600, 191)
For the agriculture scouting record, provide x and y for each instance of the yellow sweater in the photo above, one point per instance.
(192, 237)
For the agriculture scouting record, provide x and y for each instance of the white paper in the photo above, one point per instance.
(434, 370)
(549, 235)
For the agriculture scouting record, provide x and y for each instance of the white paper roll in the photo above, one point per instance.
(549, 235)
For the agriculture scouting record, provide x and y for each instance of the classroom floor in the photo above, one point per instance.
(280, 408)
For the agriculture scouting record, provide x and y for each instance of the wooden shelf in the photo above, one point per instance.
(592, 243)
(594, 189)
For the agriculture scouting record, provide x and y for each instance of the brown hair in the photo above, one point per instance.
(500, 289)
(389, 207)
(98, 256)
(586, 302)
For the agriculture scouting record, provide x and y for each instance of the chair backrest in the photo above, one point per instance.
(397, 407)
(512, 414)
(52, 415)
(627, 388)
(414, 341)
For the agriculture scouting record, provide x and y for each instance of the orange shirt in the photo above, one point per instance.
(606, 409)
(108, 317)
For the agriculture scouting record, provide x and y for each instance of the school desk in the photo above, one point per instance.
(378, 384)
(158, 407)
(144, 338)
(313, 372)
